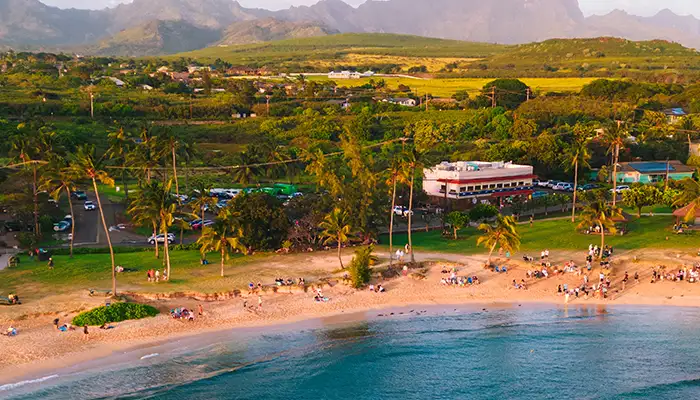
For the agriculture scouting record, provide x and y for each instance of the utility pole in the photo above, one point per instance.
(493, 97)
(528, 94)
(666, 182)
(427, 101)
(267, 102)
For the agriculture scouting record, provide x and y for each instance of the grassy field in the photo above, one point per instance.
(34, 280)
(561, 234)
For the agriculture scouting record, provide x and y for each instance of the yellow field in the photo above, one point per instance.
(447, 87)
(434, 64)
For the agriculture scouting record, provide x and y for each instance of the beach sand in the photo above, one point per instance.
(39, 347)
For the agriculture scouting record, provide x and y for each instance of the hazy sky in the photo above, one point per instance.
(638, 7)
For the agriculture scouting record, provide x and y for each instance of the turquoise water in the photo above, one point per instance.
(512, 353)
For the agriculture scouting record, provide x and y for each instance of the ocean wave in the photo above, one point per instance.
(150, 356)
(15, 385)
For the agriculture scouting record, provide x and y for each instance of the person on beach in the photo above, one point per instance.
(532, 219)
(85, 332)
(624, 280)
(200, 310)
(50, 262)
(157, 276)
(55, 323)
(259, 302)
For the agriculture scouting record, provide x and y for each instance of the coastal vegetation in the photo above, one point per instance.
(117, 312)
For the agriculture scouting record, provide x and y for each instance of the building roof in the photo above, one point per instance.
(683, 212)
(655, 167)
(675, 112)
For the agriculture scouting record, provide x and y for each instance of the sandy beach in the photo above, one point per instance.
(39, 347)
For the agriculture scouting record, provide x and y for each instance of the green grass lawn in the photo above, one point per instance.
(561, 234)
(32, 280)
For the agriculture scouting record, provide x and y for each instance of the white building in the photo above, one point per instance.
(402, 101)
(349, 75)
(469, 182)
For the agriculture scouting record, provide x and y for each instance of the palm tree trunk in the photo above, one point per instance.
(614, 177)
(37, 228)
(391, 223)
(602, 240)
(72, 218)
(573, 204)
(455, 230)
(491, 251)
(201, 228)
(223, 257)
(410, 215)
(155, 239)
(340, 258)
(109, 239)
(177, 185)
(126, 185)
(167, 251)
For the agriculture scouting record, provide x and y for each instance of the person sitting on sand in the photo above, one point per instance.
(106, 327)
(380, 289)
(11, 331)
(475, 279)
(371, 288)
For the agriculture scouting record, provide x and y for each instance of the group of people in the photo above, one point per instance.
(595, 251)
(288, 282)
(319, 297)
(154, 275)
(456, 280)
(13, 299)
(522, 285)
(184, 313)
(690, 275)
(11, 331)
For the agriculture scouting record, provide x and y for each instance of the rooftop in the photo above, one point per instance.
(476, 166)
(655, 167)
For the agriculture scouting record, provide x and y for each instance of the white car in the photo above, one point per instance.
(161, 238)
(620, 189)
(402, 211)
(564, 186)
(543, 183)
(90, 206)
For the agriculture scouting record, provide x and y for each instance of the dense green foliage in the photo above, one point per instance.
(361, 267)
(114, 313)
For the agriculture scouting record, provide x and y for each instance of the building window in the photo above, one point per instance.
(477, 187)
(506, 185)
(521, 183)
(499, 186)
(470, 188)
(462, 189)
(492, 186)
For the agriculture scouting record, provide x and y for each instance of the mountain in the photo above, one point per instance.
(155, 38)
(665, 25)
(31, 23)
(270, 29)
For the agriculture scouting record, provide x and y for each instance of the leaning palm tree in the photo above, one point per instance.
(503, 233)
(223, 237)
(336, 228)
(598, 213)
(85, 165)
(408, 176)
(690, 195)
(59, 179)
(577, 156)
(145, 210)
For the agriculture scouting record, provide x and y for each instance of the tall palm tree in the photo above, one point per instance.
(172, 144)
(408, 176)
(503, 233)
(394, 177)
(202, 199)
(245, 173)
(598, 213)
(59, 179)
(336, 228)
(85, 165)
(120, 144)
(145, 209)
(223, 237)
(615, 137)
(577, 156)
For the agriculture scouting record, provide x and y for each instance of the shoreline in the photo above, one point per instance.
(39, 350)
(103, 353)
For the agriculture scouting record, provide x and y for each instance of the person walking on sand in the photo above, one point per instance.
(200, 310)
(636, 278)
(260, 302)
(85, 332)
(624, 280)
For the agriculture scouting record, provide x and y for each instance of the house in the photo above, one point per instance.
(163, 70)
(402, 101)
(196, 68)
(344, 104)
(684, 215)
(120, 83)
(674, 115)
(180, 76)
(465, 183)
(652, 171)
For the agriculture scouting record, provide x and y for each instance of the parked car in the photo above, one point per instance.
(564, 186)
(161, 239)
(620, 189)
(198, 224)
(89, 206)
(79, 195)
(402, 211)
(539, 194)
(61, 226)
(543, 183)
(587, 187)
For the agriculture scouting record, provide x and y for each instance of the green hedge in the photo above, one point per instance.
(114, 313)
(118, 250)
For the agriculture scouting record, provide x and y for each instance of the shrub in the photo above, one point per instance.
(360, 267)
(115, 313)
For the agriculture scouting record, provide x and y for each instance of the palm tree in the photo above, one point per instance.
(245, 173)
(57, 180)
(577, 156)
(172, 144)
(408, 176)
(85, 165)
(598, 213)
(394, 177)
(336, 228)
(120, 145)
(201, 199)
(504, 234)
(615, 137)
(690, 195)
(145, 209)
(223, 237)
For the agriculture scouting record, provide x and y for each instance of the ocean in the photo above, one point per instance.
(507, 352)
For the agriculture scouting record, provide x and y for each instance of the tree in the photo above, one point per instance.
(361, 266)
(615, 137)
(59, 179)
(642, 196)
(202, 199)
(411, 163)
(482, 211)
(510, 93)
(394, 177)
(503, 233)
(84, 165)
(262, 218)
(223, 237)
(336, 229)
(120, 144)
(598, 213)
(457, 220)
(144, 209)
(577, 156)
(689, 195)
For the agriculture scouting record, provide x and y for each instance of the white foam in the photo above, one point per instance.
(150, 356)
(11, 386)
